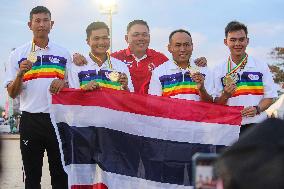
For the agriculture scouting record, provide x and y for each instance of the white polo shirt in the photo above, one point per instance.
(255, 83)
(171, 81)
(51, 64)
(79, 76)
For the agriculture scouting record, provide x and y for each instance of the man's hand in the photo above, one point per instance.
(229, 90)
(79, 59)
(92, 85)
(123, 80)
(249, 111)
(25, 66)
(201, 62)
(56, 86)
(199, 79)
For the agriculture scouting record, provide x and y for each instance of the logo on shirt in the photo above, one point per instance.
(54, 60)
(128, 64)
(151, 67)
(25, 142)
(253, 77)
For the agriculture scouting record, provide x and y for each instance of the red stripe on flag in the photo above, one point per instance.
(95, 186)
(151, 105)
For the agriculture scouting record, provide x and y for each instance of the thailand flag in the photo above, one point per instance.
(120, 140)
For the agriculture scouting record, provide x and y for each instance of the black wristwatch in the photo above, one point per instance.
(257, 110)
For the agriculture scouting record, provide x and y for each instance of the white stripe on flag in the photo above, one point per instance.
(91, 174)
(147, 126)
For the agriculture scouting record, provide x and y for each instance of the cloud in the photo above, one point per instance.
(199, 40)
(261, 53)
(266, 29)
(160, 39)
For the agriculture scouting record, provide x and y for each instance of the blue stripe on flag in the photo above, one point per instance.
(136, 156)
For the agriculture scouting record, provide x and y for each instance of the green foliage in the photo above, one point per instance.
(277, 69)
(278, 73)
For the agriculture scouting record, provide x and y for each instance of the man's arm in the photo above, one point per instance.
(269, 93)
(205, 97)
(14, 88)
(252, 111)
(226, 94)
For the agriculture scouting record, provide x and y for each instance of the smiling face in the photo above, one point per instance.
(41, 25)
(99, 41)
(138, 39)
(237, 43)
(181, 47)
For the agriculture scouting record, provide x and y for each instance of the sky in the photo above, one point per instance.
(205, 19)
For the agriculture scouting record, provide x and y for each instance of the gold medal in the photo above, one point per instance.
(32, 57)
(231, 79)
(114, 76)
(228, 80)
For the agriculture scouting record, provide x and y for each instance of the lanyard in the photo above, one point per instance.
(33, 46)
(241, 64)
(108, 59)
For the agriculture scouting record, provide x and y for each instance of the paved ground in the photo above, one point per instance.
(12, 177)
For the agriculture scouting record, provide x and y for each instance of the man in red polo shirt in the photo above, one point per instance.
(140, 60)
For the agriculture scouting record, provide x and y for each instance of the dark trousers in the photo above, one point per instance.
(37, 135)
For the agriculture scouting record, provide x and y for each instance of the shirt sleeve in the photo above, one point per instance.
(155, 87)
(73, 79)
(11, 69)
(268, 83)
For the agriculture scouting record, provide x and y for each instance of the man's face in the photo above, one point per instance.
(181, 47)
(41, 25)
(99, 41)
(138, 38)
(237, 42)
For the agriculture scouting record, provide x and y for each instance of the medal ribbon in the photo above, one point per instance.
(108, 59)
(241, 63)
(33, 46)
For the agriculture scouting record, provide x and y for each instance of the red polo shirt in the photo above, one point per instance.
(141, 71)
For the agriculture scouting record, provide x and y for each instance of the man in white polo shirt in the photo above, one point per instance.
(101, 70)
(32, 68)
(181, 77)
(242, 80)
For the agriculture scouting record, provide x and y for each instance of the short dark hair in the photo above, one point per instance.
(258, 152)
(178, 31)
(235, 26)
(96, 26)
(134, 22)
(39, 9)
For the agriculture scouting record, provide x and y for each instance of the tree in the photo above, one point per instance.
(277, 53)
